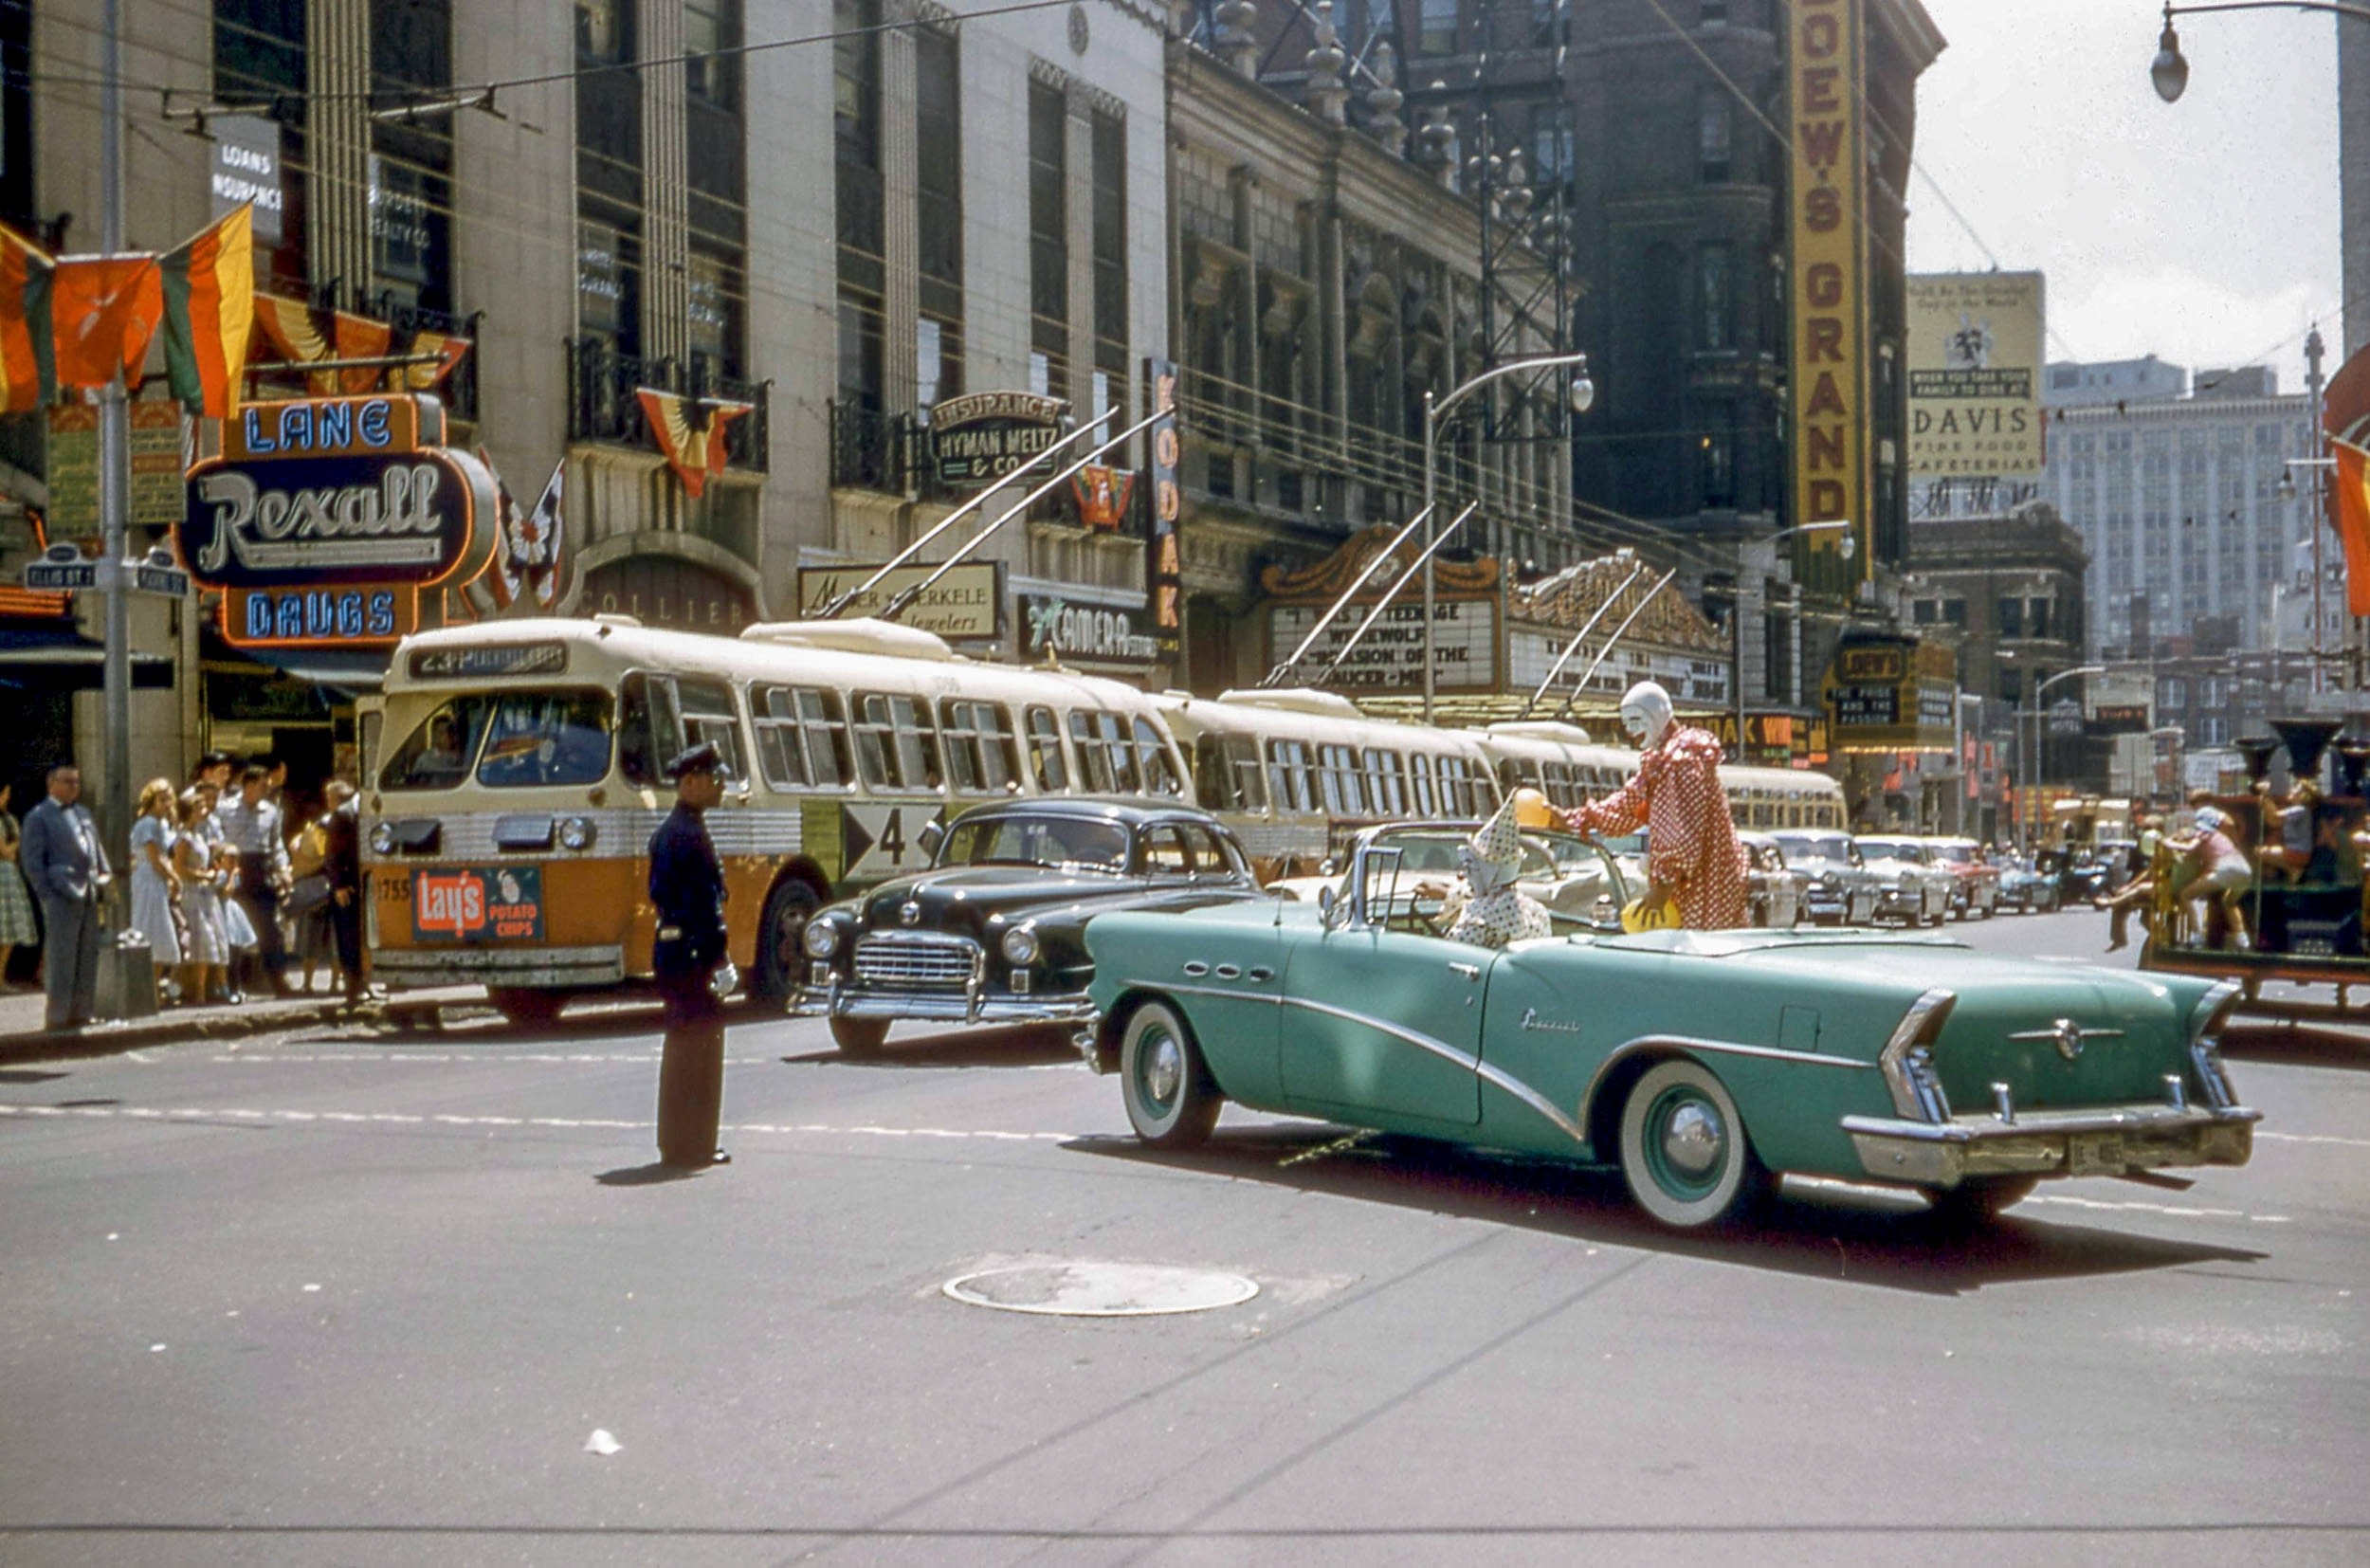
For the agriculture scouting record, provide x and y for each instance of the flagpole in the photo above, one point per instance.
(114, 477)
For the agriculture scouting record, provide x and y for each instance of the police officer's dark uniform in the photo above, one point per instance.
(687, 887)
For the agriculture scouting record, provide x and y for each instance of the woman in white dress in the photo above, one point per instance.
(204, 955)
(156, 884)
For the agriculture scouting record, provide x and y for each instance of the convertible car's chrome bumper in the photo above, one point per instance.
(2105, 1141)
(968, 1006)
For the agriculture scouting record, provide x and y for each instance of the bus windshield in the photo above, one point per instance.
(437, 755)
(546, 737)
(1060, 841)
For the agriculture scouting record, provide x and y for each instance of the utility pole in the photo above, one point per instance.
(2316, 508)
(115, 476)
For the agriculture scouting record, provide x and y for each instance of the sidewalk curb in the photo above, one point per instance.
(111, 1039)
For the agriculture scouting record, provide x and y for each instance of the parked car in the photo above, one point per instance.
(2023, 888)
(1841, 891)
(1978, 894)
(2081, 874)
(1910, 887)
(1700, 1063)
(1773, 891)
(992, 932)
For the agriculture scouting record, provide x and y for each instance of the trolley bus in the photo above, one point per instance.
(1294, 770)
(513, 778)
(1767, 799)
(1557, 759)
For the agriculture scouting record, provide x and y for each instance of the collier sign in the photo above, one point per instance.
(325, 519)
(983, 437)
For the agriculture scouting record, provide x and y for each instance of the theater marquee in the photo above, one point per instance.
(1825, 94)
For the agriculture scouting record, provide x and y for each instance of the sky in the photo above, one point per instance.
(2203, 231)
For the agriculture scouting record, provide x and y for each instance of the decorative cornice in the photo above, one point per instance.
(1577, 592)
(1327, 578)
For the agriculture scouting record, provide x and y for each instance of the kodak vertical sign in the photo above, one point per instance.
(1829, 376)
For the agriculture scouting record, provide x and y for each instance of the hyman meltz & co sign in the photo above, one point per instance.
(325, 519)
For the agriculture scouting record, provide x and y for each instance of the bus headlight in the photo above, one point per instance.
(575, 832)
(1020, 946)
(822, 939)
(382, 838)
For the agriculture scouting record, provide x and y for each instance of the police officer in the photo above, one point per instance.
(687, 887)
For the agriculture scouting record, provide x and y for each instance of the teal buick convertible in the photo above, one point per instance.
(1699, 1062)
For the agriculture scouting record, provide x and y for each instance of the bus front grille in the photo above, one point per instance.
(916, 961)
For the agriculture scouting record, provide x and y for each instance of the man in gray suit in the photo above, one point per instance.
(67, 868)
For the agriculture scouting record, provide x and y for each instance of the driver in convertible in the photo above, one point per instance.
(1488, 910)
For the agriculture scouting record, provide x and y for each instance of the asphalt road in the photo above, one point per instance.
(364, 1298)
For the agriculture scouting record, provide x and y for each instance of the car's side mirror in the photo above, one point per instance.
(933, 835)
(1328, 901)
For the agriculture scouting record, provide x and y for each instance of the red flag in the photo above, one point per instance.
(690, 434)
(2353, 521)
(102, 312)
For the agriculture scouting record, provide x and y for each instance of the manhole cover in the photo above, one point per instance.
(1099, 1289)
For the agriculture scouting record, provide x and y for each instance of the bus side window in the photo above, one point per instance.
(1045, 753)
(825, 729)
(1287, 776)
(1106, 762)
(650, 735)
(709, 714)
(896, 746)
(1386, 783)
(1250, 782)
(875, 758)
(781, 750)
(1214, 783)
(1510, 775)
(1153, 761)
(1419, 786)
(979, 741)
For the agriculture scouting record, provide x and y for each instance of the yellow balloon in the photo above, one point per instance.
(1665, 916)
(1532, 811)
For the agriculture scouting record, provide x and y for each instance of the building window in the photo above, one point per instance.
(715, 147)
(1049, 241)
(258, 54)
(410, 195)
(1954, 611)
(609, 176)
(1435, 26)
(1927, 611)
(1720, 461)
(1715, 298)
(1713, 13)
(2011, 611)
(1110, 258)
(856, 172)
(938, 202)
(1713, 122)
(2038, 617)
(711, 52)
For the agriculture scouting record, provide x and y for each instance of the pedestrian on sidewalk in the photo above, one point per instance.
(342, 863)
(67, 868)
(687, 887)
(156, 884)
(17, 927)
(204, 955)
(250, 823)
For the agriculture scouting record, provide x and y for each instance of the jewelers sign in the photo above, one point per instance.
(325, 519)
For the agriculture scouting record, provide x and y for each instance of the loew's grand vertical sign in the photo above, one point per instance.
(1825, 97)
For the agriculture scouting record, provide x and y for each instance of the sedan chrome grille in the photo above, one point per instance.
(887, 958)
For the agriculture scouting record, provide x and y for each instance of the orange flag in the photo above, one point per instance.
(2353, 521)
(102, 312)
(690, 434)
(26, 373)
(210, 312)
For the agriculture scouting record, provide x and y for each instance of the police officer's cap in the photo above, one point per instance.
(702, 758)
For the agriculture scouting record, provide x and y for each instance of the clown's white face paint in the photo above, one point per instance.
(1635, 724)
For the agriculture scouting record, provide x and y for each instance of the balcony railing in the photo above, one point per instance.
(602, 404)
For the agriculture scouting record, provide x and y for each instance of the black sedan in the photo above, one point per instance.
(993, 932)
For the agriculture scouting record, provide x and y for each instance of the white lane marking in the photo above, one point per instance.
(400, 1118)
(2142, 1207)
(2262, 1137)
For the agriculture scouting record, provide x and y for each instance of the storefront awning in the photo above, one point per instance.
(343, 670)
(56, 657)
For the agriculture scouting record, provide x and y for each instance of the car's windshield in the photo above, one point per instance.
(1070, 841)
(1957, 853)
(1815, 846)
(1893, 849)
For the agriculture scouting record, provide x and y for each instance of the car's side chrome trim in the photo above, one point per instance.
(1486, 1072)
(1225, 992)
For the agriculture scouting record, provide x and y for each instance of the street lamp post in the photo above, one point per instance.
(2170, 69)
(2033, 777)
(1583, 398)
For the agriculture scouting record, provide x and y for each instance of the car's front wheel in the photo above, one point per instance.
(1171, 1101)
(1684, 1149)
(858, 1037)
(781, 939)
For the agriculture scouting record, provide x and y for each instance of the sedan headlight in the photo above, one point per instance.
(822, 939)
(575, 832)
(1909, 882)
(1020, 946)
(1831, 882)
(382, 838)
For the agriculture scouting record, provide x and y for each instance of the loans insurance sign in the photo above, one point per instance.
(324, 519)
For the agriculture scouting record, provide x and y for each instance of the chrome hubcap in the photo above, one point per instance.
(1164, 1070)
(1692, 1139)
